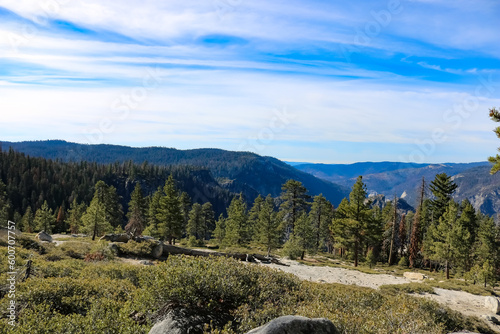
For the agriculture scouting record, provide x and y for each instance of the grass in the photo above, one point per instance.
(415, 288)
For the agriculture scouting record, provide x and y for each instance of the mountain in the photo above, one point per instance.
(237, 172)
(403, 179)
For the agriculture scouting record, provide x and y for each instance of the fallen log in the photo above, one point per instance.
(175, 250)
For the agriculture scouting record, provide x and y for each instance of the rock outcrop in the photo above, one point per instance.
(115, 237)
(43, 236)
(492, 304)
(180, 321)
(296, 325)
(414, 276)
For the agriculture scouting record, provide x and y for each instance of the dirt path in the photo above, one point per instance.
(463, 302)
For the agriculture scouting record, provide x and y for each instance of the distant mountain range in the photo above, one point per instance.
(403, 179)
(237, 172)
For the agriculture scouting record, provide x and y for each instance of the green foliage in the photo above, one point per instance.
(292, 249)
(403, 262)
(4, 205)
(495, 116)
(371, 258)
(170, 214)
(442, 188)
(295, 201)
(75, 214)
(196, 227)
(137, 211)
(417, 288)
(28, 221)
(76, 249)
(236, 223)
(44, 218)
(138, 249)
(267, 230)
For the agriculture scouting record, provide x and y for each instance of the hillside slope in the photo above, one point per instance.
(238, 172)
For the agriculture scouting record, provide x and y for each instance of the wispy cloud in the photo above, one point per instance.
(223, 71)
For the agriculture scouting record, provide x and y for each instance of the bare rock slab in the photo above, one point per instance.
(414, 276)
(492, 304)
(296, 325)
(43, 236)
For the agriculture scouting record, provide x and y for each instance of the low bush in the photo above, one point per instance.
(417, 288)
(137, 249)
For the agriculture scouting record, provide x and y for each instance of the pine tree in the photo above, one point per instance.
(170, 214)
(60, 225)
(267, 227)
(4, 205)
(304, 235)
(445, 238)
(75, 214)
(153, 222)
(236, 223)
(196, 225)
(416, 231)
(402, 235)
(353, 220)
(320, 217)
(27, 222)
(442, 188)
(295, 201)
(219, 232)
(96, 219)
(137, 211)
(495, 116)
(486, 251)
(466, 232)
(186, 205)
(208, 216)
(44, 218)
(393, 232)
(114, 211)
(253, 215)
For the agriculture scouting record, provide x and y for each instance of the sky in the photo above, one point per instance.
(300, 80)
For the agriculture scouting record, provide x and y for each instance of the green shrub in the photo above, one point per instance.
(291, 249)
(137, 249)
(395, 289)
(403, 262)
(76, 249)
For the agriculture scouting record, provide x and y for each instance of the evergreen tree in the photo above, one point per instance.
(320, 217)
(153, 222)
(466, 232)
(495, 116)
(267, 228)
(44, 218)
(196, 227)
(295, 201)
(208, 215)
(442, 188)
(75, 213)
(96, 219)
(4, 205)
(393, 225)
(137, 211)
(253, 215)
(186, 205)
(170, 214)
(28, 221)
(114, 211)
(60, 225)
(444, 239)
(416, 230)
(236, 223)
(219, 232)
(486, 251)
(402, 235)
(353, 220)
(304, 235)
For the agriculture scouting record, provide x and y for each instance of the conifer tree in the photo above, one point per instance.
(28, 221)
(402, 235)
(196, 227)
(442, 188)
(253, 215)
(487, 251)
(44, 218)
(416, 231)
(75, 214)
(4, 205)
(304, 235)
(60, 225)
(153, 221)
(208, 216)
(96, 220)
(267, 228)
(170, 214)
(219, 232)
(295, 201)
(186, 206)
(236, 223)
(353, 220)
(320, 217)
(137, 211)
(394, 223)
(495, 116)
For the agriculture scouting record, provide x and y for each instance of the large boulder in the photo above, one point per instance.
(492, 304)
(414, 276)
(180, 321)
(157, 251)
(116, 237)
(296, 325)
(43, 236)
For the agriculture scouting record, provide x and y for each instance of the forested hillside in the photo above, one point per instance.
(29, 182)
(389, 178)
(238, 172)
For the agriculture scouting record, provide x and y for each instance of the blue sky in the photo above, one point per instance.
(320, 81)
